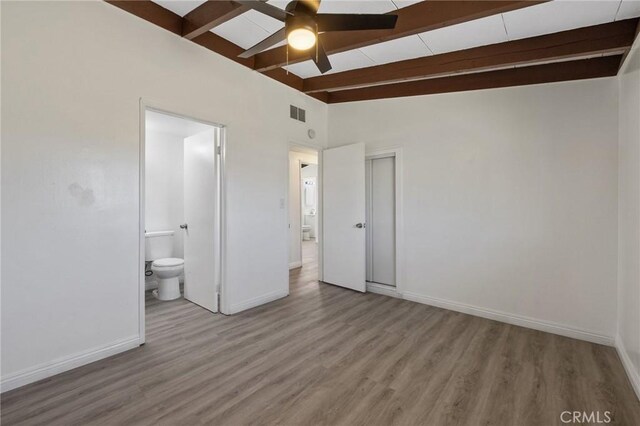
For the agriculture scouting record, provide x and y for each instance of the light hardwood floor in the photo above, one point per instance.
(325, 355)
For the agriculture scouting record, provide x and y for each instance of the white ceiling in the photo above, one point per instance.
(479, 32)
(558, 15)
(181, 7)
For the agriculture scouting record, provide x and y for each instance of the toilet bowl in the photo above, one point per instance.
(306, 232)
(167, 271)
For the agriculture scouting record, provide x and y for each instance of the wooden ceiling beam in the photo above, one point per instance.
(209, 15)
(536, 74)
(152, 12)
(321, 96)
(628, 50)
(605, 38)
(223, 47)
(415, 19)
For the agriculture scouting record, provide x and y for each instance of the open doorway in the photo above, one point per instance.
(304, 209)
(181, 183)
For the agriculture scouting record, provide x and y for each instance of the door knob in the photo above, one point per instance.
(184, 226)
(360, 225)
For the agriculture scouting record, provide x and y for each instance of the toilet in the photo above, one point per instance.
(306, 232)
(167, 269)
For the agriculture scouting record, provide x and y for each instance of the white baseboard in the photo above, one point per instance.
(632, 373)
(294, 265)
(385, 290)
(58, 366)
(257, 301)
(522, 321)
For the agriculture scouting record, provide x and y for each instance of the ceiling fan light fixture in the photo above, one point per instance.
(303, 23)
(301, 38)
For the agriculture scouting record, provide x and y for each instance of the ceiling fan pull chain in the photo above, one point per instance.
(287, 68)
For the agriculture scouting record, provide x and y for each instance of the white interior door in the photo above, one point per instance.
(202, 236)
(343, 211)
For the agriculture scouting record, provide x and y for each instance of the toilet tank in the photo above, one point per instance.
(158, 245)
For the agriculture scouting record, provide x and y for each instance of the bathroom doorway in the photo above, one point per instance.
(304, 212)
(182, 162)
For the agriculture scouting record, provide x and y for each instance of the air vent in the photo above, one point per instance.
(297, 113)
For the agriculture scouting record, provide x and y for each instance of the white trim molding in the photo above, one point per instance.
(385, 290)
(632, 373)
(61, 365)
(514, 319)
(184, 112)
(317, 149)
(257, 301)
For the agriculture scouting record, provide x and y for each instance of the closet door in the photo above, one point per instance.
(382, 221)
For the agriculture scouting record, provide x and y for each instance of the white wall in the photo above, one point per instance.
(164, 185)
(71, 84)
(628, 341)
(295, 218)
(510, 199)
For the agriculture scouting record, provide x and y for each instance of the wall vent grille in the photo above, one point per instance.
(297, 113)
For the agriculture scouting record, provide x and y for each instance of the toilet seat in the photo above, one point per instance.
(169, 262)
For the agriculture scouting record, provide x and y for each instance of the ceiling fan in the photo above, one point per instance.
(303, 23)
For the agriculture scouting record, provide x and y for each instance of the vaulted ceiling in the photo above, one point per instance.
(436, 46)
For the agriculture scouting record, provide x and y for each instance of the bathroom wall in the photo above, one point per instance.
(164, 190)
(311, 171)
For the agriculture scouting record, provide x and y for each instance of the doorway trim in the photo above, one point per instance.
(395, 152)
(319, 235)
(297, 264)
(146, 104)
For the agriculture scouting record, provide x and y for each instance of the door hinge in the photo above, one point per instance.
(219, 150)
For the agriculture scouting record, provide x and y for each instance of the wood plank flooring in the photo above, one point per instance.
(329, 356)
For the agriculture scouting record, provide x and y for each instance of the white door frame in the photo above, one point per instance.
(299, 210)
(180, 112)
(395, 152)
(319, 236)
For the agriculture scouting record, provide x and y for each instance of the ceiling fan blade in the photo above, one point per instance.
(322, 60)
(274, 38)
(354, 22)
(263, 7)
